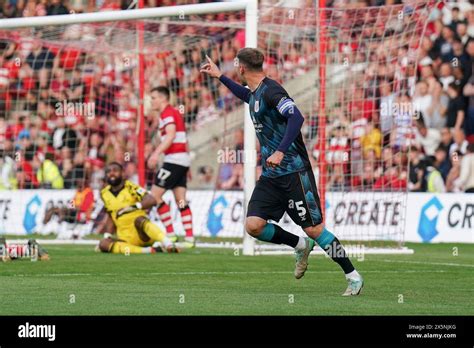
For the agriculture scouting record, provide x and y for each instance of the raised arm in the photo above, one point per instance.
(213, 70)
(237, 89)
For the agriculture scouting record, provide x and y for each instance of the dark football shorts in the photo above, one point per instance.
(294, 193)
(71, 215)
(171, 175)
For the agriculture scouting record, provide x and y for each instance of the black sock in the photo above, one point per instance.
(284, 237)
(336, 251)
(275, 234)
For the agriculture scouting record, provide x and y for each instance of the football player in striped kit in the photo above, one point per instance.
(173, 173)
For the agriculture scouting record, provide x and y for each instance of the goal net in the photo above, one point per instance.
(76, 95)
(353, 71)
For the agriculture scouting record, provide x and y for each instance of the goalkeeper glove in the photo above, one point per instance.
(129, 209)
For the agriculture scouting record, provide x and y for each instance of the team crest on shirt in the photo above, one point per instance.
(256, 106)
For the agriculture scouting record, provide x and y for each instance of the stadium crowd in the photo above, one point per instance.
(43, 144)
(432, 113)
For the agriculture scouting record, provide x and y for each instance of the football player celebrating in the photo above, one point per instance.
(126, 205)
(287, 183)
(173, 174)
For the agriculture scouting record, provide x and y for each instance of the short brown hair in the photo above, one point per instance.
(162, 90)
(251, 58)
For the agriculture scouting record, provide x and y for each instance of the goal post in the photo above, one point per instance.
(322, 49)
(360, 137)
(116, 16)
(251, 30)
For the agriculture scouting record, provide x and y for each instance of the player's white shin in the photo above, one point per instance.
(65, 231)
(51, 227)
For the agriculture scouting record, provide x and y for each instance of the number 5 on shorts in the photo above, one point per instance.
(301, 210)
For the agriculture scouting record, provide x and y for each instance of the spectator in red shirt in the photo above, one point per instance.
(25, 175)
(110, 5)
(18, 125)
(393, 179)
(59, 87)
(33, 9)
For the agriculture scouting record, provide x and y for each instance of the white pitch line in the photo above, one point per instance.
(429, 263)
(201, 273)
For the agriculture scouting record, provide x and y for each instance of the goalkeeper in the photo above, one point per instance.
(126, 205)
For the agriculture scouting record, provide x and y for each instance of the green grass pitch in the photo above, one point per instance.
(78, 281)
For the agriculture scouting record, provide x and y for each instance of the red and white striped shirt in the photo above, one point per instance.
(177, 153)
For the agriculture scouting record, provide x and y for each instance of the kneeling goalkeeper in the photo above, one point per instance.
(126, 205)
